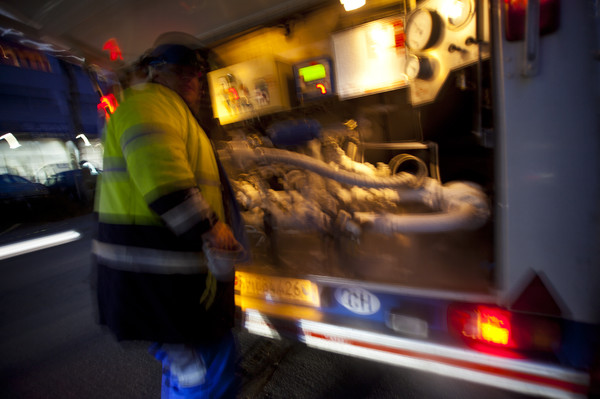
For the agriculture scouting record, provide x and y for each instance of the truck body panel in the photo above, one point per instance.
(548, 164)
(391, 292)
(419, 180)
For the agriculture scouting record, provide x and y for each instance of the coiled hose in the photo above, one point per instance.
(400, 180)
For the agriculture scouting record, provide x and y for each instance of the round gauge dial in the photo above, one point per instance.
(423, 29)
(412, 66)
(418, 67)
(459, 12)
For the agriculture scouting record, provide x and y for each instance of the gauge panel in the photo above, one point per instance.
(423, 29)
(459, 12)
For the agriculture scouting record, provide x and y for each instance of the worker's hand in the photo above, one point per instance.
(221, 237)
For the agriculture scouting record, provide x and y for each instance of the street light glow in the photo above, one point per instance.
(23, 247)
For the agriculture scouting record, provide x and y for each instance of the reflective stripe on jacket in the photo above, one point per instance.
(160, 179)
(148, 260)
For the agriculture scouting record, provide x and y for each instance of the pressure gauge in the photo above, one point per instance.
(423, 29)
(459, 12)
(418, 67)
(412, 66)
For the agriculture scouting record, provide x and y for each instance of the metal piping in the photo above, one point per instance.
(463, 207)
(401, 180)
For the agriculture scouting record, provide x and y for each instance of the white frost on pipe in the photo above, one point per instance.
(463, 207)
(307, 202)
(336, 155)
(400, 180)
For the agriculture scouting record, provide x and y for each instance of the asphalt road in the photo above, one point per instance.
(51, 347)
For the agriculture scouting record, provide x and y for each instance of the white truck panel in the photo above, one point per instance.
(548, 163)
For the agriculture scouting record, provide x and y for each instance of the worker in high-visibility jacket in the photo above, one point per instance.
(162, 198)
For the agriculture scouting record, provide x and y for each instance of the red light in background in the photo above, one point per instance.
(515, 17)
(113, 48)
(108, 104)
(321, 87)
(517, 3)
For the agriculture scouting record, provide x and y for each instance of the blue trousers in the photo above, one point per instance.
(201, 371)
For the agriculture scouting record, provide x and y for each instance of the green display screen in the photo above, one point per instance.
(313, 72)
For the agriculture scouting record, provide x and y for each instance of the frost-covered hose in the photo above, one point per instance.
(402, 158)
(463, 217)
(463, 208)
(400, 180)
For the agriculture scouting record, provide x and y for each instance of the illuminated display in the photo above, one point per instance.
(373, 56)
(313, 72)
(314, 79)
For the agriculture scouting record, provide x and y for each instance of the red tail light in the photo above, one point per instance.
(497, 328)
(494, 326)
(482, 324)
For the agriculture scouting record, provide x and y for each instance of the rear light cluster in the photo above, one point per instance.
(496, 328)
(515, 11)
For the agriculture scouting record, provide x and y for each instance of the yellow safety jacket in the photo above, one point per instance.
(160, 189)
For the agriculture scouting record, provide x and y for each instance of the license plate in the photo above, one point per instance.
(277, 288)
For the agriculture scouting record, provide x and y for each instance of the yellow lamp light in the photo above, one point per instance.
(350, 5)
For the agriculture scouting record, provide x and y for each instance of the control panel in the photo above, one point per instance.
(250, 89)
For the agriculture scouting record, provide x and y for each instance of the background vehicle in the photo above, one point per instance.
(75, 185)
(48, 108)
(20, 199)
(16, 189)
(408, 174)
